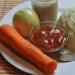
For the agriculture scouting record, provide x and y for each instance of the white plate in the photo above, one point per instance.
(62, 69)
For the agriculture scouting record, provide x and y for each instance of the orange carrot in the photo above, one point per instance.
(11, 37)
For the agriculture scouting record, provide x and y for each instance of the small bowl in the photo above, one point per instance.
(51, 25)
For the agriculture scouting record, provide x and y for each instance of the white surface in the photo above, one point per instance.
(62, 69)
(65, 4)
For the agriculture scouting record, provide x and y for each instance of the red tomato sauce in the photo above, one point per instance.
(48, 38)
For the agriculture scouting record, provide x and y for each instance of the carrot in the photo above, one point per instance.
(11, 37)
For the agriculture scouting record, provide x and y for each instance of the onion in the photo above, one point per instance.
(67, 23)
(24, 20)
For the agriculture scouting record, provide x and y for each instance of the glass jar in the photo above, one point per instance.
(46, 9)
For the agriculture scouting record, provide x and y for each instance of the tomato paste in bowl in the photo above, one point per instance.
(48, 38)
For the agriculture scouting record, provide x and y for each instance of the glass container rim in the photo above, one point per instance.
(44, 1)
